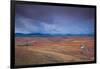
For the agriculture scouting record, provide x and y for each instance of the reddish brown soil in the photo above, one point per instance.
(46, 50)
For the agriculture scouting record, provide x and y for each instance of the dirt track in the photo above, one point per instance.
(53, 50)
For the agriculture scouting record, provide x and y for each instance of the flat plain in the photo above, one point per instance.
(48, 50)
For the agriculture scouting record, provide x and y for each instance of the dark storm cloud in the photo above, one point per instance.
(54, 19)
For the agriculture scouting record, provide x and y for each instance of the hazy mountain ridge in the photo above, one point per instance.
(42, 34)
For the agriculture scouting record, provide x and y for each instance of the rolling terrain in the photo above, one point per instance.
(47, 50)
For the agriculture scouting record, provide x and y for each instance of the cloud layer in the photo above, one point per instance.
(54, 19)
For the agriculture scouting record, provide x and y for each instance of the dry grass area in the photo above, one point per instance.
(46, 50)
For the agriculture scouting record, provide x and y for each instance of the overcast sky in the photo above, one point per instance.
(53, 19)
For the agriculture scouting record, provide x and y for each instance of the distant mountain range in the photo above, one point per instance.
(42, 34)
